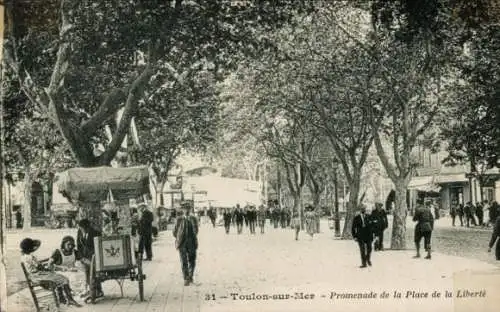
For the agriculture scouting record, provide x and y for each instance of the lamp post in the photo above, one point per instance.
(337, 214)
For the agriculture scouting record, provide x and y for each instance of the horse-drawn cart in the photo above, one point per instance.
(105, 187)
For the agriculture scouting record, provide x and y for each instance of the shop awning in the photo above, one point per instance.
(424, 184)
(451, 178)
(94, 184)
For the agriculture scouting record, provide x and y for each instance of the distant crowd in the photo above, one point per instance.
(482, 214)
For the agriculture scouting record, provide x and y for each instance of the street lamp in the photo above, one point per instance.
(335, 166)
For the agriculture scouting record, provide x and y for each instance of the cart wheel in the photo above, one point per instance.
(140, 279)
(92, 283)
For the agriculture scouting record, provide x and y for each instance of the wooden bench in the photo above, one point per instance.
(38, 292)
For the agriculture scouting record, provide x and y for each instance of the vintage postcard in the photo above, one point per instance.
(223, 155)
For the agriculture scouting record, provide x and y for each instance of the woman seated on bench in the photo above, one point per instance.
(42, 274)
(65, 259)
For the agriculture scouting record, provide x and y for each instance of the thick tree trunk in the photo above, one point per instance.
(297, 206)
(398, 239)
(351, 208)
(27, 199)
(160, 190)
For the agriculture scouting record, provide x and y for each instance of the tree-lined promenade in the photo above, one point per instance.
(245, 271)
(307, 94)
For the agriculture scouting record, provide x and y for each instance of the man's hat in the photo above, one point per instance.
(29, 245)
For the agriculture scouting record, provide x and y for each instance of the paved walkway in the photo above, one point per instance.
(244, 272)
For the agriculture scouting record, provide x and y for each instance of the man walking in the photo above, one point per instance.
(362, 232)
(212, 214)
(227, 216)
(261, 216)
(469, 214)
(381, 223)
(186, 241)
(453, 212)
(239, 215)
(494, 238)
(145, 232)
(460, 212)
(252, 218)
(423, 229)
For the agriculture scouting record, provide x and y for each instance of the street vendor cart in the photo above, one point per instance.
(114, 255)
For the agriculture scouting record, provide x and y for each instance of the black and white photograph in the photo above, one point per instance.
(249, 155)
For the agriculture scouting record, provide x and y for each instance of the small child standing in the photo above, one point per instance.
(39, 273)
(295, 224)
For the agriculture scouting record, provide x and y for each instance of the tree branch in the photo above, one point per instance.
(108, 108)
(135, 92)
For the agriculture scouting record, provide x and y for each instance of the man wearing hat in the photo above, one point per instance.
(362, 232)
(381, 223)
(186, 241)
(145, 232)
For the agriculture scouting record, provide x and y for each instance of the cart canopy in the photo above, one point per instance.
(94, 184)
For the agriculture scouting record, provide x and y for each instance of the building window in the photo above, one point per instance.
(488, 194)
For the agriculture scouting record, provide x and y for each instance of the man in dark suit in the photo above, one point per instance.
(239, 215)
(494, 238)
(379, 217)
(85, 246)
(227, 215)
(423, 229)
(186, 241)
(145, 232)
(362, 232)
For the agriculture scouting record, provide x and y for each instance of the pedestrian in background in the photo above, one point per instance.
(145, 232)
(276, 216)
(469, 214)
(239, 216)
(423, 229)
(495, 236)
(252, 218)
(379, 218)
(227, 216)
(261, 218)
(493, 213)
(186, 241)
(479, 214)
(460, 212)
(362, 232)
(310, 218)
(453, 212)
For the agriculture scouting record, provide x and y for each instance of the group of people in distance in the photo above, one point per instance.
(482, 214)
(68, 268)
(253, 217)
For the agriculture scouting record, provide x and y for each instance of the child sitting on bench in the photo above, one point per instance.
(42, 274)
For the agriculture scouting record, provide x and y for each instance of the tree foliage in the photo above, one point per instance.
(86, 59)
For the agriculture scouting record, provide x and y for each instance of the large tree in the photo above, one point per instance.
(79, 62)
(326, 83)
(411, 55)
